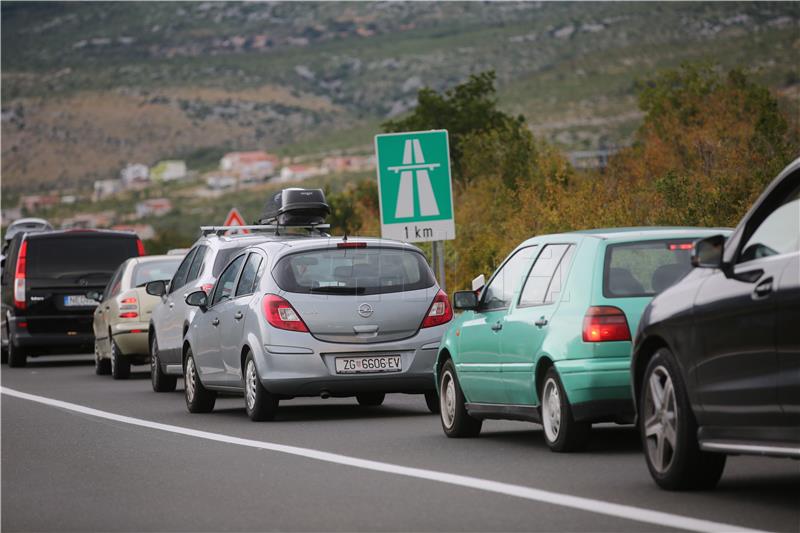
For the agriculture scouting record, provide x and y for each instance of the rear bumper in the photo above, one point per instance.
(53, 343)
(598, 389)
(131, 338)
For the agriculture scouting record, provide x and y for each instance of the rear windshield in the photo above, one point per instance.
(353, 271)
(645, 268)
(144, 273)
(65, 256)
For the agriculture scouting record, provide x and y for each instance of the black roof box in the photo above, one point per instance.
(296, 207)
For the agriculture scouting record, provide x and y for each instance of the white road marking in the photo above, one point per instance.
(590, 505)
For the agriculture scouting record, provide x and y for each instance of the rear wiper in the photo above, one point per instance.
(333, 289)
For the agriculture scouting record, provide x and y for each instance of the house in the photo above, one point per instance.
(218, 183)
(105, 188)
(10, 215)
(144, 231)
(34, 202)
(156, 207)
(249, 166)
(169, 170)
(301, 172)
(340, 164)
(134, 175)
(88, 220)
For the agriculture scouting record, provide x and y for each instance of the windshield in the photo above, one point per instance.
(353, 271)
(645, 268)
(144, 273)
(65, 255)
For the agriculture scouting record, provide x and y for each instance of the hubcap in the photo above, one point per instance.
(660, 419)
(551, 410)
(113, 359)
(447, 399)
(250, 384)
(191, 375)
(153, 360)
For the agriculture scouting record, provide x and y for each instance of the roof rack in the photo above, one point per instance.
(264, 228)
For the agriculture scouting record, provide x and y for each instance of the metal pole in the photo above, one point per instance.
(438, 255)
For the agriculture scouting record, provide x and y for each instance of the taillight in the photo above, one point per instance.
(351, 245)
(19, 277)
(129, 314)
(140, 246)
(280, 314)
(131, 300)
(605, 323)
(440, 311)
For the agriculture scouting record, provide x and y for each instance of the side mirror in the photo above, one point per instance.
(156, 288)
(97, 296)
(198, 299)
(707, 253)
(465, 300)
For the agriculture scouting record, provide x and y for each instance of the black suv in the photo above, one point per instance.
(716, 361)
(45, 280)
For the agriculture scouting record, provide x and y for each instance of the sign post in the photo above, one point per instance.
(416, 190)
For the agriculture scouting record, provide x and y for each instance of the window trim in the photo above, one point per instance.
(261, 264)
(481, 308)
(519, 305)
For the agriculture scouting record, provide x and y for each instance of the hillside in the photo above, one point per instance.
(87, 87)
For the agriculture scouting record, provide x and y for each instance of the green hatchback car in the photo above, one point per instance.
(548, 339)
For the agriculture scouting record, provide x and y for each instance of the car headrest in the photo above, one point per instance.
(667, 275)
(621, 282)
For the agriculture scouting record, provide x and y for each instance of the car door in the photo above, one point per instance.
(232, 333)
(479, 366)
(170, 320)
(210, 326)
(527, 324)
(738, 366)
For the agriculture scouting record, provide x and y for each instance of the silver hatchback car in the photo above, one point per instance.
(316, 317)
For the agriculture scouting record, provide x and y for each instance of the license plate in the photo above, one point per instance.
(78, 300)
(368, 365)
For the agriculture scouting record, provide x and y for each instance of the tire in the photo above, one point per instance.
(161, 382)
(102, 366)
(120, 364)
(456, 421)
(370, 399)
(198, 398)
(17, 357)
(561, 432)
(4, 349)
(668, 430)
(258, 402)
(432, 401)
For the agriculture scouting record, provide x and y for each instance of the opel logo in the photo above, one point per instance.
(365, 310)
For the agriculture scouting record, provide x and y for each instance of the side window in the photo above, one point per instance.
(225, 284)
(248, 278)
(778, 233)
(500, 291)
(197, 262)
(537, 286)
(179, 279)
(113, 287)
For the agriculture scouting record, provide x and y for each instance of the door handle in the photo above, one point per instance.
(542, 322)
(497, 326)
(215, 322)
(171, 305)
(238, 315)
(763, 289)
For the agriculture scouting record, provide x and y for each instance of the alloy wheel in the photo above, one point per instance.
(551, 410)
(153, 360)
(250, 384)
(448, 399)
(660, 417)
(190, 377)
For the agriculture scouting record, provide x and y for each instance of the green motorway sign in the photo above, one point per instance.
(415, 186)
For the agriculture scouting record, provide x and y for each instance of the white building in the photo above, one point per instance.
(135, 173)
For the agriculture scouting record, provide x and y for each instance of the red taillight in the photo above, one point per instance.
(207, 287)
(129, 314)
(351, 245)
(280, 314)
(140, 246)
(680, 246)
(440, 311)
(131, 300)
(19, 277)
(605, 323)
(137, 331)
(22, 324)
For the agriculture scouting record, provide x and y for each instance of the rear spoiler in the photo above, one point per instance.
(264, 228)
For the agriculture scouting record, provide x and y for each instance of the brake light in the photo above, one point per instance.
(140, 246)
(207, 287)
(280, 314)
(19, 277)
(129, 314)
(440, 311)
(131, 300)
(22, 324)
(351, 245)
(605, 323)
(680, 246)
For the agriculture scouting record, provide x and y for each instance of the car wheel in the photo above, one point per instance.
(4, 348)
(669, 430)
(432, 401)
(198, 398)
(17, 357)
(370, 399)
(120, 364)
(102, 366)
(258, 402)
(456, 421)
(561, 432)
(161, 382)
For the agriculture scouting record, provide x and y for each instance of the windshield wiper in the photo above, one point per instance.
(333, 289)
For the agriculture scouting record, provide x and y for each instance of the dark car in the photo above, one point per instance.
(45, 283)
(716, 360)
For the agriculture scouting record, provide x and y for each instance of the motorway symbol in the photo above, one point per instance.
(234, 218)
(414, 184)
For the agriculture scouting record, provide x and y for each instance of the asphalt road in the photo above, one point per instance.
(68, 470)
